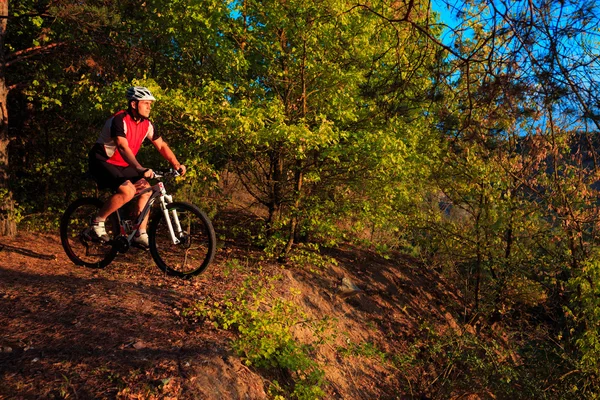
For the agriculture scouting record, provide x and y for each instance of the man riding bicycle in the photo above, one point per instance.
(113, 163)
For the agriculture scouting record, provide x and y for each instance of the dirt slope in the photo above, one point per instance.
(72, 332)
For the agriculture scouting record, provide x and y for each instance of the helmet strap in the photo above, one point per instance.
(134, 110)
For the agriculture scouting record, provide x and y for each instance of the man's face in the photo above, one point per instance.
(144, 107)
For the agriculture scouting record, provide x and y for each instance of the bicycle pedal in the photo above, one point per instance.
(96, 239)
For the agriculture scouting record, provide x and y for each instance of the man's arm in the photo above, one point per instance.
(165, 151)
(129, 157)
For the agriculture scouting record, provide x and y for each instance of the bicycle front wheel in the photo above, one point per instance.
(194, 246)
(76, 238)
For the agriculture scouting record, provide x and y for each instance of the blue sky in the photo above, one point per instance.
(441, 7)
(447, 16)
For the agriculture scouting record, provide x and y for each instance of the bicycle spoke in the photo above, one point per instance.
(195, 249)
(76, 239)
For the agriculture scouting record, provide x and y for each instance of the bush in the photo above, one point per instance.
(264, 324)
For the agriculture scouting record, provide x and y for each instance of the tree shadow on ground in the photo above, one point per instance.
(98, 337)
(26, 252)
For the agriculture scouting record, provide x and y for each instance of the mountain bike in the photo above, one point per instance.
(181, 237)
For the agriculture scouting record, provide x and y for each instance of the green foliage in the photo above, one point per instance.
(365, 349)
(308, 256)
(265, 324)
(232, 266)
(9, 209)
(584, 313)
(450, 364)
(310, 128)
(230, 96)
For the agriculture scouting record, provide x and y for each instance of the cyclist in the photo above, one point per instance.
(113, 163)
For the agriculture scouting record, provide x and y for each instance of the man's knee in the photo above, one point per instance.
(127, 190)
(142, 184)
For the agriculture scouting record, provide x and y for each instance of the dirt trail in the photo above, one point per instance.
(72, 332)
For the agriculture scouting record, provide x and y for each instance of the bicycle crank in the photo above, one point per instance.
(121, 244)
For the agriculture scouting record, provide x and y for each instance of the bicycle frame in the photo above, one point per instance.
(158, 192)
(182, 240)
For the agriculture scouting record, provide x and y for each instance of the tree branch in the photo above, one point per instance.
(423, 30)
(21, 55)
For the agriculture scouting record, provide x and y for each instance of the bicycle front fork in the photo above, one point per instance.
(173, 221)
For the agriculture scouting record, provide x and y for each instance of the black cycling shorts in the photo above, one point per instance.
(109, 176)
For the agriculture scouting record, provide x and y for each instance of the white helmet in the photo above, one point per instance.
(138, 93)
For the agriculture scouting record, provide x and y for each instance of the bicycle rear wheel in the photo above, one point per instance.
(196, 241)
(76, 238)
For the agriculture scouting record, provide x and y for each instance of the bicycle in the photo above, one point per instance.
(181, 236)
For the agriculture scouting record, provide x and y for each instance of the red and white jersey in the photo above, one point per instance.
(123, 124)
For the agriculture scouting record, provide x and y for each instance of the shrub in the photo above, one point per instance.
(264, 323)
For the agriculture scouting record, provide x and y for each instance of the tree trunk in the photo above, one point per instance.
(298, 174)
(8, 225)
(299, 178)
(276, 187)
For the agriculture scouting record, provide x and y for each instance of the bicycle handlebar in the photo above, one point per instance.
(165, 173)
